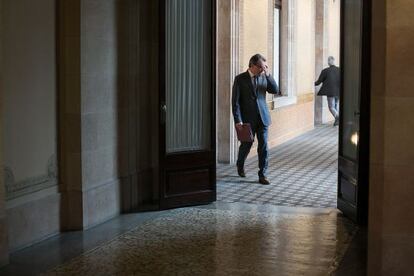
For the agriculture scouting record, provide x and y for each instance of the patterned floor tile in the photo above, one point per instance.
(303, 172)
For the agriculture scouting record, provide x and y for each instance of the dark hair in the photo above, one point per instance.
(254, 60)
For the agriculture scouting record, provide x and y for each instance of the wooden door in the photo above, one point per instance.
(187, 103)
(354, 109)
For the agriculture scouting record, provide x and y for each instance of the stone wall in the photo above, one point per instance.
(391, 211)
(4, 247)
(99, 109)
(29, 135)
(109, 84)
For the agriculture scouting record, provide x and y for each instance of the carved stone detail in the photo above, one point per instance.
(16, 189)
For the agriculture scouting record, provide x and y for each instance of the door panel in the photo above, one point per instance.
(354, 127)
(187, 97)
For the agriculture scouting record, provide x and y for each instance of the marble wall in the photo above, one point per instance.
(29, 136)
(391, 217)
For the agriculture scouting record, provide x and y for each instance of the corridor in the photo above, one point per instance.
(302, 172)
(216, 239)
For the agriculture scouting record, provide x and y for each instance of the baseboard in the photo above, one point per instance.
(33, 221)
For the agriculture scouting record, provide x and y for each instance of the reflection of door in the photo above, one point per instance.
(187, 102)
(354, 127)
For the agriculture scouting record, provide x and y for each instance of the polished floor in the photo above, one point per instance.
(303, 172)
(216, 239)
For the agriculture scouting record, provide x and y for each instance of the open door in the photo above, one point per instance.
(354, 109)
(187, 103)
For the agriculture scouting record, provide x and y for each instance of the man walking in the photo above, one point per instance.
(249, 106)
(331, 79)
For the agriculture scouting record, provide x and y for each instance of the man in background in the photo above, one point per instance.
(331, 81)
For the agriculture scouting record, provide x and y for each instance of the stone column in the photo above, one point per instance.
(320, 52)
(108, 108)
(70, 114)
(88, 107)
(4, 247)
(227, 66)
(391, 208)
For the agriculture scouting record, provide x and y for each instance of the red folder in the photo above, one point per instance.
(245, 133)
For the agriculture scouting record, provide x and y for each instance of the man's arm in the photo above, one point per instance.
(236, 102)
(272, 86)
(321, 78)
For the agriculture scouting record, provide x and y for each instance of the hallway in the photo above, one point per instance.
(216, 239)
(302, 172)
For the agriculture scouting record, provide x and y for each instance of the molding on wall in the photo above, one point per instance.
(20, 188)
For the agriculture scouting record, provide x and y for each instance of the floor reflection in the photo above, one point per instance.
(212, 241)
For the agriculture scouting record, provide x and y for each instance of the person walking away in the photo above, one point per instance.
(331, 81)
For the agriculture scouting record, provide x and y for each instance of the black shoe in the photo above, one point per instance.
(336, 121)
(241, 172)
(263, 180)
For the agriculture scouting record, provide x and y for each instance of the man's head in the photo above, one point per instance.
(257, 64)
(331, 61)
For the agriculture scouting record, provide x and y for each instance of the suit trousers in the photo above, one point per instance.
(260, 131)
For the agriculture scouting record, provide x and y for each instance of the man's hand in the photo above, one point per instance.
(239, 126)
(266, 69)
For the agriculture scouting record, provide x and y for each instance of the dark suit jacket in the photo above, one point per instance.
(331, 79)
(250, 106)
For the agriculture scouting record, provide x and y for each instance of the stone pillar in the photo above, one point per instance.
(70, 113)
(88, 109)
(108, 108)
(227, 67)
(320, 52)
(4, 247)
(391, 209)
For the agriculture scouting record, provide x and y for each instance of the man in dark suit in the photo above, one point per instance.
(249, 106)
(331, 79)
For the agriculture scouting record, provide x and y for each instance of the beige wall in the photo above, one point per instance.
(254, 30)
(327, 44)
(29, 120)
(305, 49)
(391, 208)
(333, 30)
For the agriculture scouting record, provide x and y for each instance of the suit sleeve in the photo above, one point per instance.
(236, 102)
(321, 78)
(272, 86)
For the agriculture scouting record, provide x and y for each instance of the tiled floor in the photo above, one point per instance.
(303, 172)
(223, 238)
(215, 239)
